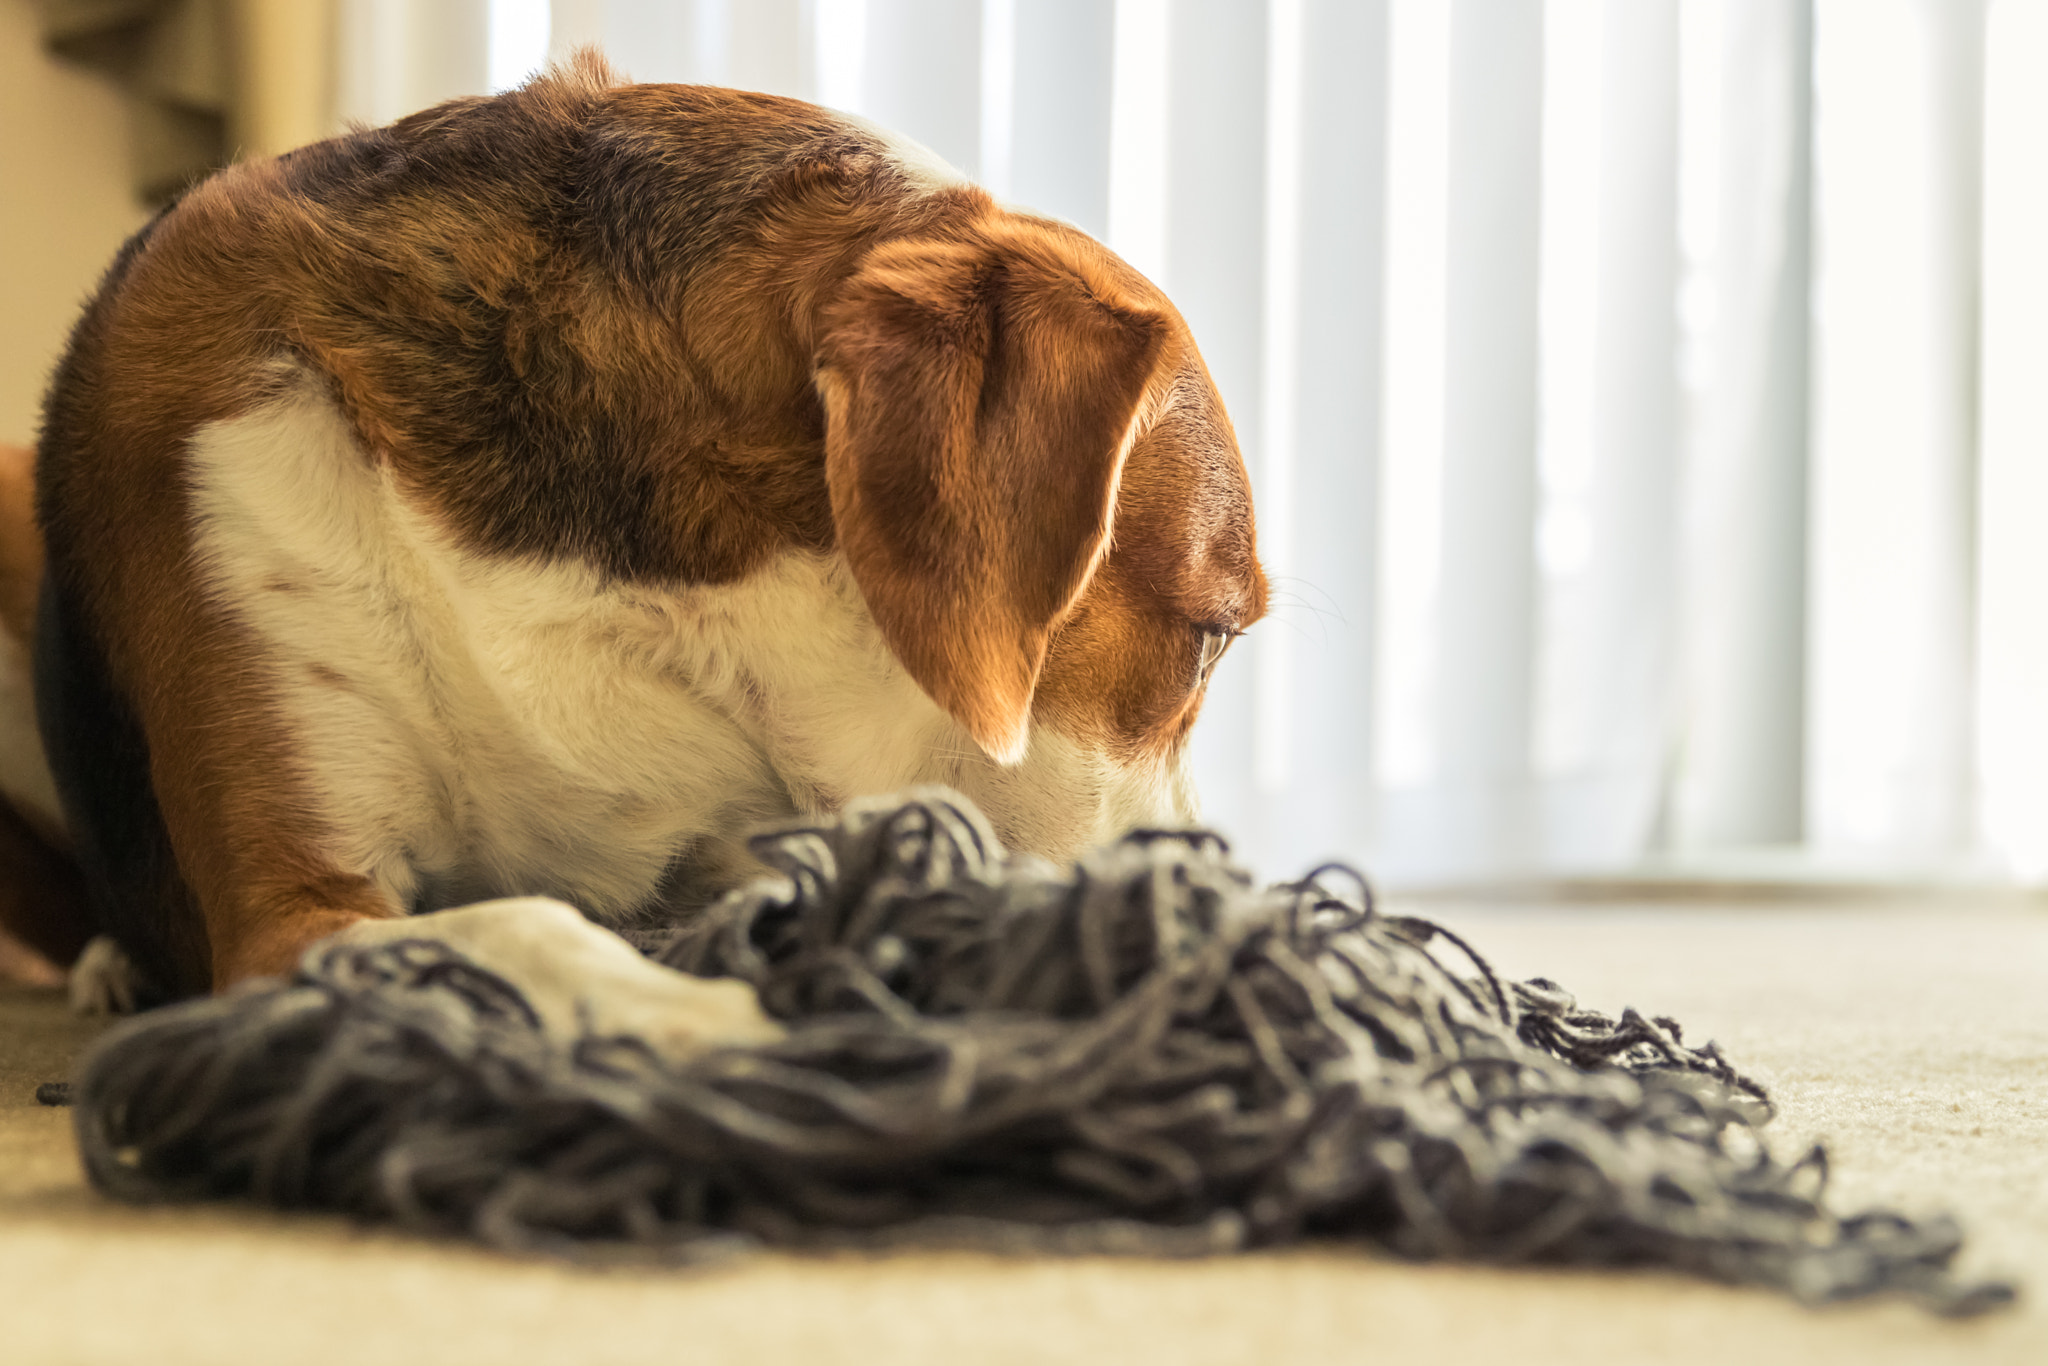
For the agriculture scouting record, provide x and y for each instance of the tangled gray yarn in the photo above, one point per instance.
(1141, 1053)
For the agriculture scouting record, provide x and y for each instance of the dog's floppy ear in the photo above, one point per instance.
(980, 398)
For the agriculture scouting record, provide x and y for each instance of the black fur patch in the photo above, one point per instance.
(101, 763)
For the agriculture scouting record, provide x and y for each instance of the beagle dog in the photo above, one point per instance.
(530, 497)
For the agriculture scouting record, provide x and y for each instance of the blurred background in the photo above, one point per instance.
(1647, 400)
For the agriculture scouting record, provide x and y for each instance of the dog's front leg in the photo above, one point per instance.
(580, 978)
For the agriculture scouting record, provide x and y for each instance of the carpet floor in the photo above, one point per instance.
(1910, 1033)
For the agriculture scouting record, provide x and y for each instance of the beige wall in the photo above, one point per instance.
(65, 207)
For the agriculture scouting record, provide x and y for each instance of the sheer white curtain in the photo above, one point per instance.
(1644, 398)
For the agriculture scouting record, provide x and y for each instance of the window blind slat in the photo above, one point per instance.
(1893, 631)
(661, 42)
(1602, 743)
(923, 75)
(764, 46)
(1743, 724)
(1325, 570)
(1473, 813)
(1215, 265)
(2012, 739)
(397, 57)
(1059, 149)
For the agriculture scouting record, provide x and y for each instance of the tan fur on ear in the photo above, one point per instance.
(980, 396)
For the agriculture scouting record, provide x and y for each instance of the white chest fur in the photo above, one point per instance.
(475, 726)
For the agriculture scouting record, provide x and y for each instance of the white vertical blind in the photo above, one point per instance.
(1898, 87)
(2012, 734)
(762, 43)
(1412, 361)
(923, 74)
(1272, 718)
(1467, 807)
(1746, 226)
(396, 56)
(1609, 452)
(1215, 270)
(1063, 63)
(1138, 135)
(1640, 473)
(1318, 530)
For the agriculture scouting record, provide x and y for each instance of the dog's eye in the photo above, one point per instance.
(1215, 640)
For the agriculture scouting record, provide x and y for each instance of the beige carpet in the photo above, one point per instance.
(1912, 1034)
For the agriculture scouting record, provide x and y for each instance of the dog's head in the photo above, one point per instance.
(1039, 495)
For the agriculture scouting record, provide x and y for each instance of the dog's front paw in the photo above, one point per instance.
(580, 978)
(104, 980)
(679, 1015)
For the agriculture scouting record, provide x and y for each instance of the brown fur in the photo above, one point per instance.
(582, 320)
(21, 546)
